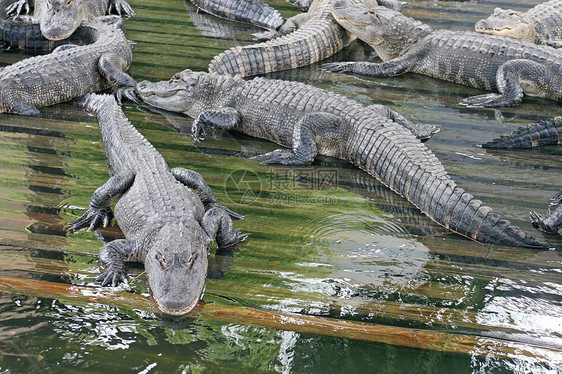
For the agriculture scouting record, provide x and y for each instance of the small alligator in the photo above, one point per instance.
(58, 19)
(253, 12)
(512, 67)
(540, 25)
(313, 121)
(170, 217)
(546, 132)
(552, 224)
(70, 71)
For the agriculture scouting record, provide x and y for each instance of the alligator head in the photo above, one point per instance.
(388, 31)
(509, 23)
(176, 264)
(182, 93)
(60, 18)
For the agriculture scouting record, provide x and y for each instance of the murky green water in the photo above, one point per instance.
(327, 240)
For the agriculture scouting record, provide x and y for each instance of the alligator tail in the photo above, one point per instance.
(401, 162)
(96, 103)
(253, 12)
(546, 132)
(311, 43)
(25, 36)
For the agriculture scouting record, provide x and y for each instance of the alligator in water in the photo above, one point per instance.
(170, 217)
(540, 25)
(58, 19)
(510, 66)
(253, 12)
(313, 121)
(70, 71)
(545, 132)
(552, 223)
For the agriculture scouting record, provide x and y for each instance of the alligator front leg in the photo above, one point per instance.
(112, 259)
(223, 118)
(218, 225)
(391, 68)
(305, 134)
(552, 223)
(509, 77)
(195, 181)
(99, 213)
(120, 7)
(422, 131)
(112, 67)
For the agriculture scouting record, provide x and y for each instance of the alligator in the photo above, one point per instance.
(253, 12)
(313, 121)
(540, 25)
(58, 19)
(70, 71)
(512, 67)
(545, 132)
(303, 4)
(170, 217)
(552, 224)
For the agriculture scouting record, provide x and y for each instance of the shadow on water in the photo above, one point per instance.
(327, 240)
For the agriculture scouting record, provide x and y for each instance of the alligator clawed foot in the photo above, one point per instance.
(16, 8)
(485, 101)
(92, 218)
(121, 7)
(198, 132)
(127, 93)
(236, 239)
(337, 67)
(537, 220)
(112, 278)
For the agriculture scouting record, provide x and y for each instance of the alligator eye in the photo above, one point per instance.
(49, 4)
(68, 3)
(162, 261)
(190, 260)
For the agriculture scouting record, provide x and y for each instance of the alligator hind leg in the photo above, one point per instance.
(510, 78)
(195, 181)
(218, 225)
(98, 212)
(112, 259)
(306, 132)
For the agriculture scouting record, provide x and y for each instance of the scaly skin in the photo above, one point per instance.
(541, 24)
(170, 218)
(71, 71)
(308, 38)
(58, 19)
(552, 223)
(512, 67)
(253, 12)
(313, 121)
(547, 132)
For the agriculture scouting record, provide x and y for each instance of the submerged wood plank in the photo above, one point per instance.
(401, 336)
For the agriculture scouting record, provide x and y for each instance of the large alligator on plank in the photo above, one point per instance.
(540, 25)
(552, 223)
(170, 217)
(58, 19)
(494, 63)
(545, 132)
(313, 121)
(303, 39)
(70, 71)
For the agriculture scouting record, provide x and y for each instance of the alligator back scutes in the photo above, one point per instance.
(403, 164)
(545, 132)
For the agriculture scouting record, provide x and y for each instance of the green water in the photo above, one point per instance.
(327, 240)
